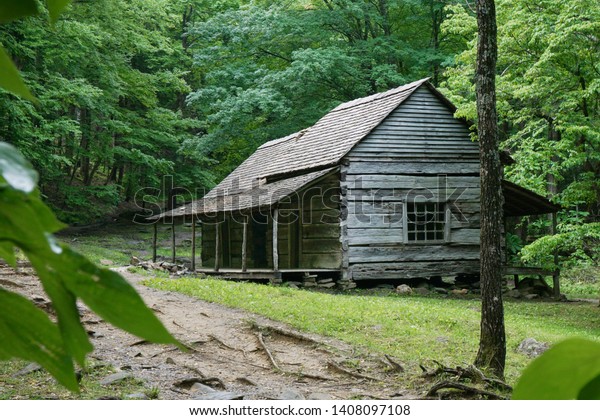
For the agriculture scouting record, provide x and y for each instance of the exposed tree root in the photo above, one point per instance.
(218, 340)
(462, 387)
(310, 376)
(394, 366)
(470, 372)
(277, 367)
(337, 367)
(287, 333)
(266, 349)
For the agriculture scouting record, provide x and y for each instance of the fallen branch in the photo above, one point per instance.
(340, 369)
(462, 387)
(266, 349)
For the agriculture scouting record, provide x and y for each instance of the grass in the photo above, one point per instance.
(581, 282)
(414, 329)
(40, 385)
(114, 245)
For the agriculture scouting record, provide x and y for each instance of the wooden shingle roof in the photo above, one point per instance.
(261, 195)
(299, 158)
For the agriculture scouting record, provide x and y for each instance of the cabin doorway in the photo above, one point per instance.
(294, 239)
(259, 227)
(225, 227)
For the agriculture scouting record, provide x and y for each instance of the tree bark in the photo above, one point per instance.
(492, 344)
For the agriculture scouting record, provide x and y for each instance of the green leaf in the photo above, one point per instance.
(65, 305)
(27, 222)
(11, 79)
(591, 391)
(15, 9)
(111, 297)
(65, 275)
(7, 253)
(55, 7)
(567, 371)
(27, 333)
(15, 170)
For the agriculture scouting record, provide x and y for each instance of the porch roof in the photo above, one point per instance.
(519, 201)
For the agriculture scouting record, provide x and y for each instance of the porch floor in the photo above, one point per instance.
(261, 273)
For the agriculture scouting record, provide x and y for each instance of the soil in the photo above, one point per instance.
(226, 352)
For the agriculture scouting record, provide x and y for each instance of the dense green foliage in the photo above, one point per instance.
(271, 68)
(27, 332)
(132, 91)
(549, 107)
(110, 78)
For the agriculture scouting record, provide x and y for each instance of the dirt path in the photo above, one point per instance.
(227, 353)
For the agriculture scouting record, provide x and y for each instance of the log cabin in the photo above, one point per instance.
(384, 187)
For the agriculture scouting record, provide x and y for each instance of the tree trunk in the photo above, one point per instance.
(436, 23)
(86, 134)
(492, 344)
(552, 190)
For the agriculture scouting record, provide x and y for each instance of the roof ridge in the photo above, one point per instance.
(381, 95)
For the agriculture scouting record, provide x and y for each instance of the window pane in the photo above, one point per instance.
(425, 222)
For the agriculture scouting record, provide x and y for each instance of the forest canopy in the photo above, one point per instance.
(132, 91)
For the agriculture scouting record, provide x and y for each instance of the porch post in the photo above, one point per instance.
(193, 243)
(173, 242)
(275, 247)
(217, 246)
(154, 236)
(245, 245)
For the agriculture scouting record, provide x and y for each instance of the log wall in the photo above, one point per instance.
(420, 152)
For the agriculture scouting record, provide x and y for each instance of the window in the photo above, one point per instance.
(425, 222)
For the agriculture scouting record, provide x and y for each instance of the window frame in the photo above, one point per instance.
(446, 223)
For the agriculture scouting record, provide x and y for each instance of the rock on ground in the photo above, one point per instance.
(404, 289)
(532, 348)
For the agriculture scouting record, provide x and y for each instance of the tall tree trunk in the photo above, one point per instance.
(188, 13)
(112, 176)
(492, 343)
(85, 145)
(385, 17)
(436, 23)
